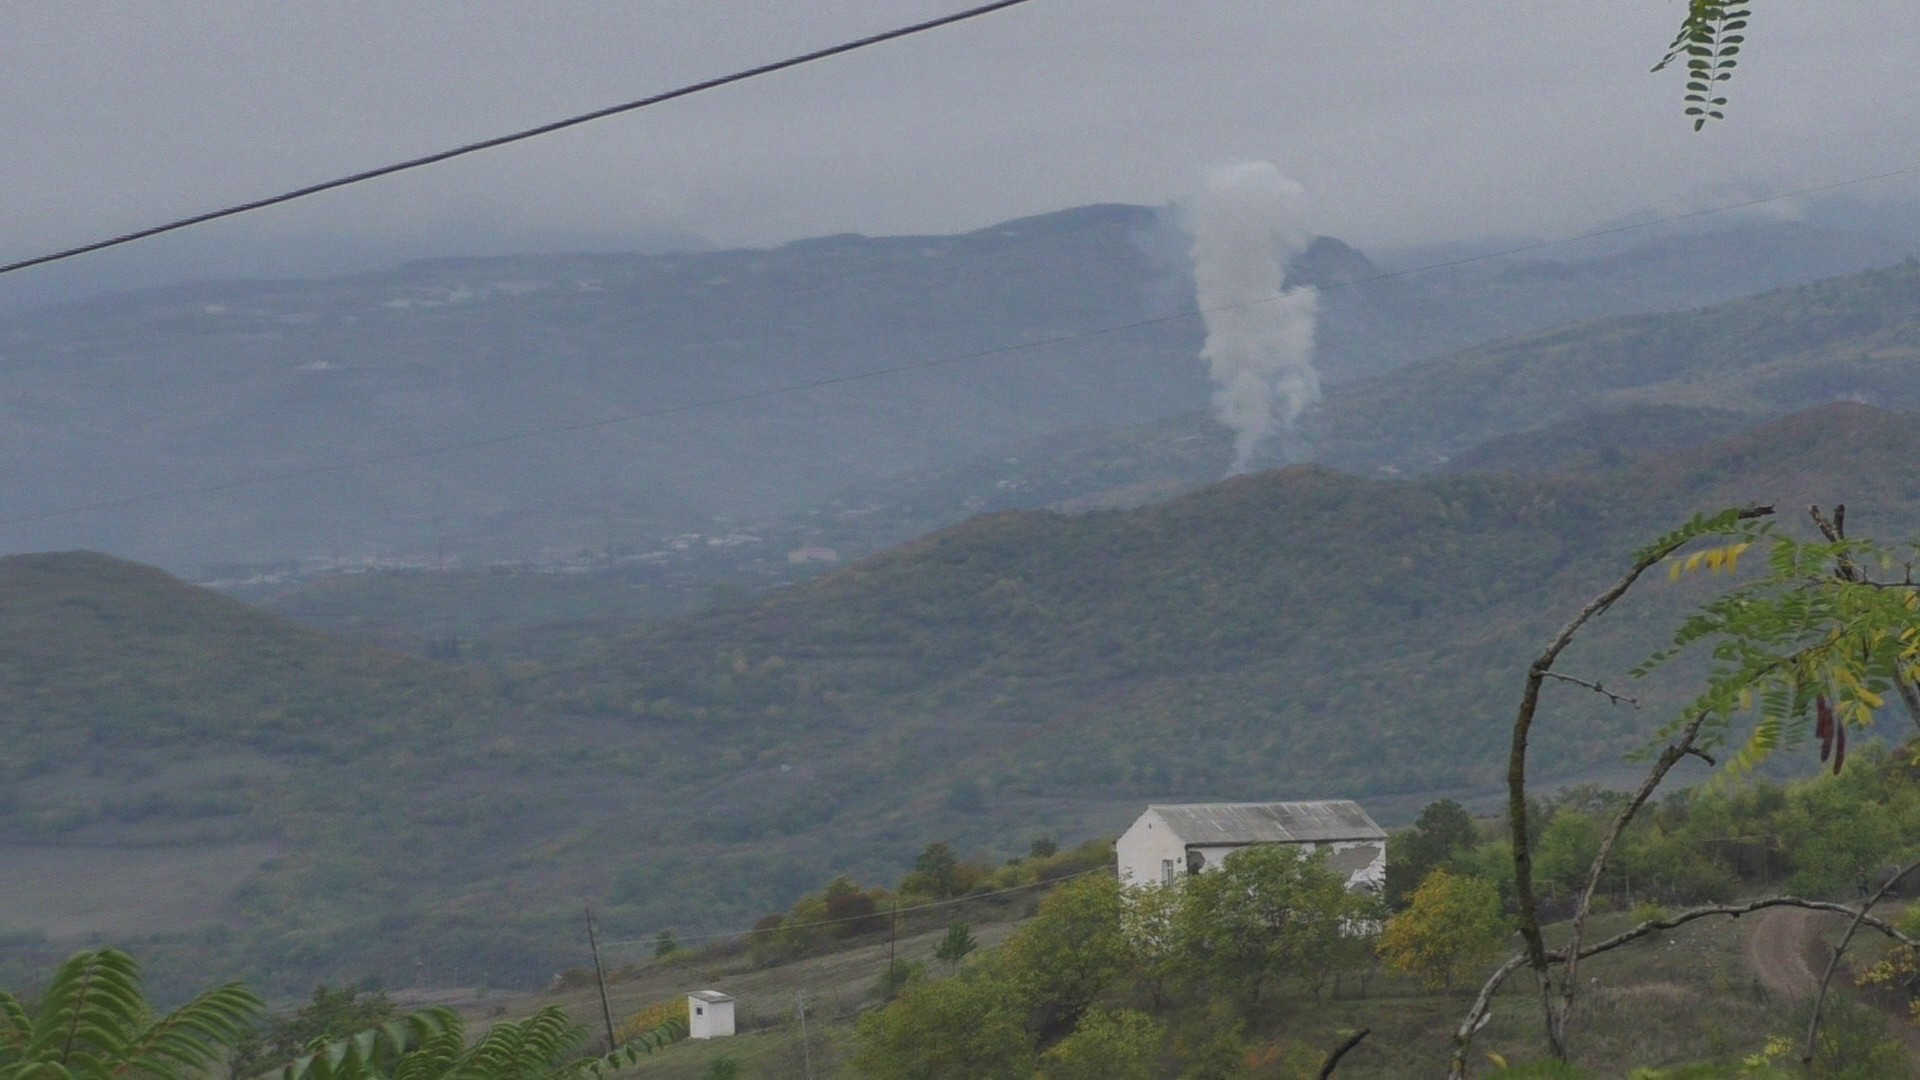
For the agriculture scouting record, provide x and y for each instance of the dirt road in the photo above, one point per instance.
(1780, 946)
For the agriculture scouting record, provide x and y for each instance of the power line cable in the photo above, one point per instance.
(418, 452)
(503, 140)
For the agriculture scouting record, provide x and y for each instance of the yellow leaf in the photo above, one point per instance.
(1733, 556)
(1498, 1061)
(1673, 569)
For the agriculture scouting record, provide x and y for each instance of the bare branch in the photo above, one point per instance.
(1477, 1016)
(1537, 673)
(1569, 984)
(1333, 1059)
(1617, 699)
(1820, 1000)
(1654, 926)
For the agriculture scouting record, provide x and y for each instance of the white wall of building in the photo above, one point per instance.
(709, 1015)
(1147, 849)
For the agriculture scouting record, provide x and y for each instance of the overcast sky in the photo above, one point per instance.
(1406, 121)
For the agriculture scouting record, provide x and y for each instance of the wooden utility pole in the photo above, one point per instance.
(599, 976)
(806, 1047)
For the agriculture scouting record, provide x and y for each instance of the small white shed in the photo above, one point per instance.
(709, 1014)
(1170, 841)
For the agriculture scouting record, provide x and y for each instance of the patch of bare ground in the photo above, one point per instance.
(1779, 947)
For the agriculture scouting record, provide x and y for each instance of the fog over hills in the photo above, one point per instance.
(195, 386)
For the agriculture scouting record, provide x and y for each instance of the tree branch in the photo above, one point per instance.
(1669, 757)
(1654, 926)
(1333, 1059)
(1478, 1015)
(1820, 1000)
(1617, 699)
(1537, 673)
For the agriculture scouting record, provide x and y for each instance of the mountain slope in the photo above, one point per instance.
(1855, 338)
(1296, 633)
(1585, 395)
(209, 384)
(106, 656)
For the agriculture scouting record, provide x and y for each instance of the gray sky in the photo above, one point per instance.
(1406, 121)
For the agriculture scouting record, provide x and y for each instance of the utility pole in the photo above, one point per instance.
(606, 1011)
(806, 1047)
(893, 934)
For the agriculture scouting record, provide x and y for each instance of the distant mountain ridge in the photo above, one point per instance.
(205, 385)
(1597, 395)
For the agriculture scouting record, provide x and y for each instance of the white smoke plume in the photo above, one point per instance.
(1245, 227)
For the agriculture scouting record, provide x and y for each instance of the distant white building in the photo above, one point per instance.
(709, 1014)
(1169, 841)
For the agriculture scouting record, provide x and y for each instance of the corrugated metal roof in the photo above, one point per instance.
(1281, 822)
(712, 996)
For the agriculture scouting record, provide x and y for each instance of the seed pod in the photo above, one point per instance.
(1823, 727)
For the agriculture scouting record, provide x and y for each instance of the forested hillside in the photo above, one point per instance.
(1290, 634)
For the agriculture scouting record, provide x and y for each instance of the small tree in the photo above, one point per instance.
(964, 1028)
(1061, 961)
(1454, 920)
(1108, 1045)
(1269, 910)
(1444, 829)
(936, 869)
(664, 943)
(955, 946)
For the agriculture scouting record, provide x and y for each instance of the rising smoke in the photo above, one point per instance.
(1246, 225)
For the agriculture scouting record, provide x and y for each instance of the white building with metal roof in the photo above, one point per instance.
(1168, 841)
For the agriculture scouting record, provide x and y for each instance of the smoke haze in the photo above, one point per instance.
(1246, 225)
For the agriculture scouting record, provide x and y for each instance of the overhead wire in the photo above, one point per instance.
(517, 136)
(453, 446)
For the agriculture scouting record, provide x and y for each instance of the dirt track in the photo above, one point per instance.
(1779, 948)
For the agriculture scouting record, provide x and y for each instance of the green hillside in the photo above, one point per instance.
(106, 657)
(1853, 338)
(1299, 633)
(1291, 634)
